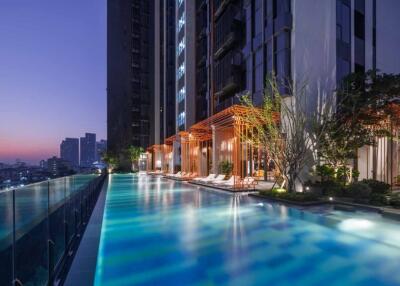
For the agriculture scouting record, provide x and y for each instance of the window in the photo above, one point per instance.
(359, 25)
(181, 71)
(181, 94)
(343, 22)
(181, 118)
(181, 46)
(181, 22)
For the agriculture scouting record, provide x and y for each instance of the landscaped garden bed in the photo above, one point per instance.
(367, 192)
(294, 197)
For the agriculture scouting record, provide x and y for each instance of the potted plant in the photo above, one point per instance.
(226, 168)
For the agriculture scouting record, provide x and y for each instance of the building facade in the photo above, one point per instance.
(165, 78)
(88, 150)
(101, 148)
(236, 44)
(69, 151)
(130, 74)
(185, 12)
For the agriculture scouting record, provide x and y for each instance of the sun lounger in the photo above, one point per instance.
(250, 182)
(219, 179)
(231, 182)
(209, 177)
(177, 174)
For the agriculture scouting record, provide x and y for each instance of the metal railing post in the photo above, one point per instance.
(14, 278)
(50, 243)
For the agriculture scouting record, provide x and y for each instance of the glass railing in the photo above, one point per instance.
(39, 224)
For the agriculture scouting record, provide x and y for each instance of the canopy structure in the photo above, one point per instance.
(158, 158)
(220, 139)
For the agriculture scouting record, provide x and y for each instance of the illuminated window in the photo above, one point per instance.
(181, 71)
(181, 94)
(181, 22)
(181, 118)
(181, 46)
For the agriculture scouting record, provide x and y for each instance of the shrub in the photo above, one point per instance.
(282, 194)
(359, 190)
(325, 172)
(377, 187)
(378, 199)
(342, 174)
(226, 167)
(355, 174)
(395, 201)
(332, 188)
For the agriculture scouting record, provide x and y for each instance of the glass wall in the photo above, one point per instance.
(38, 224)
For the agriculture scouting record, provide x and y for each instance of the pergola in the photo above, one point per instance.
(225, 133)
(158, 157)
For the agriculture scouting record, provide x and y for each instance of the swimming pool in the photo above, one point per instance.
(159, 232)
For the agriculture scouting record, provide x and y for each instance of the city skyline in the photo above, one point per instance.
(69, 69)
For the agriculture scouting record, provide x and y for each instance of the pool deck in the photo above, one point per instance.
(83, 268)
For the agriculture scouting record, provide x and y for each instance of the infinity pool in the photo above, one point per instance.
(159, 232)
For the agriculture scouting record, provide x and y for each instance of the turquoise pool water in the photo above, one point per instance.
(159, 232)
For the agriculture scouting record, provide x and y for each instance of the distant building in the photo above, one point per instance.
(43, 164)
(58, 167)
(101, 147)
(69, 151)
(88, 150)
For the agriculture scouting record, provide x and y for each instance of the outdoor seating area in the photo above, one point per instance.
(181, 176)
(230, 184)
(212, 152)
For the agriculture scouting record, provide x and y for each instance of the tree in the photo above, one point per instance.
(134, 153)
(110, 159)
(284, 126)
(363, 109)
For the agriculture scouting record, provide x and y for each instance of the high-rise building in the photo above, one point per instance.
(185, 64)
(59, 167)
(130, 73)
(227, 48)
(69, 151)
(164, 81)
(101, 147)
(88, 150)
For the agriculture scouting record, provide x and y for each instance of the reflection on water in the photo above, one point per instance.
(162, 232)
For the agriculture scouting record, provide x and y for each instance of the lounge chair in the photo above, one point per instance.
(209, 177)
(177, 174)
(249, 182)
(231, 182)
(180, 175)
(219, 179)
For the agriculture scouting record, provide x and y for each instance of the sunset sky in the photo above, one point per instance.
(52, 75)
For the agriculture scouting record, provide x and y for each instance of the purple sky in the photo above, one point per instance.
(52, 75)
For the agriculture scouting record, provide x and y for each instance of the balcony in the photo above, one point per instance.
(231, 75)
(201, 4)
(220, 7)
(228, 39)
